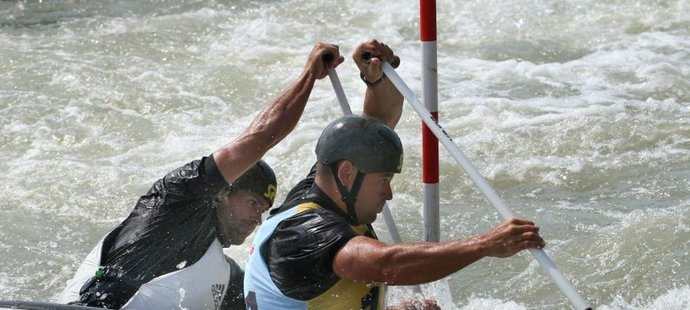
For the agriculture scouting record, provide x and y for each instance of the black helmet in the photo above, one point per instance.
(259, 179)
(370, 144)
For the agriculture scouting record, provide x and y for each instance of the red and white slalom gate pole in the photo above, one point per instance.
(430, 170)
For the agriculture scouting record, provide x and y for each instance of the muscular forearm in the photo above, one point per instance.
(277, 119)
(384, 102)
(270, 126)
(369, 260)
(416, 263)
(280, 117)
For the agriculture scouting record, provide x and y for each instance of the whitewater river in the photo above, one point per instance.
(577, 112)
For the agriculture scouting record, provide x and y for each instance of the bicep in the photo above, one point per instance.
(362, 259)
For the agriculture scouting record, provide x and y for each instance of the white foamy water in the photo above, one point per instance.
(576, 112)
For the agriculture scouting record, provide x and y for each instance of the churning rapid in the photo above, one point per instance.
(576, 112)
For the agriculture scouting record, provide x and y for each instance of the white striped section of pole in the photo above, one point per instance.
(427, 31)
(566, 287)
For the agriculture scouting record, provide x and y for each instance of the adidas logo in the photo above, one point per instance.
(217, 293)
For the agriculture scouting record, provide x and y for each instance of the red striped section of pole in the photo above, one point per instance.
(430, 169)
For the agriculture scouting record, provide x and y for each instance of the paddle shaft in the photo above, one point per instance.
(539, 254)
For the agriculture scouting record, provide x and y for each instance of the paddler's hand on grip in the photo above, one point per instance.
(368, 57)
(323, 56)
(510, 237)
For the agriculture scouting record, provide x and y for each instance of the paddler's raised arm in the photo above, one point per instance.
(278, 118)
(382, 99)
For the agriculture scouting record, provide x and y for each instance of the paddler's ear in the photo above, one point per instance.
(346, 173)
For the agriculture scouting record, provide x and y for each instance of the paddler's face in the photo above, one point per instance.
(375, 191)
(238, 215)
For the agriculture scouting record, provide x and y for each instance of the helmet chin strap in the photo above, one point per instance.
(349, 198)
